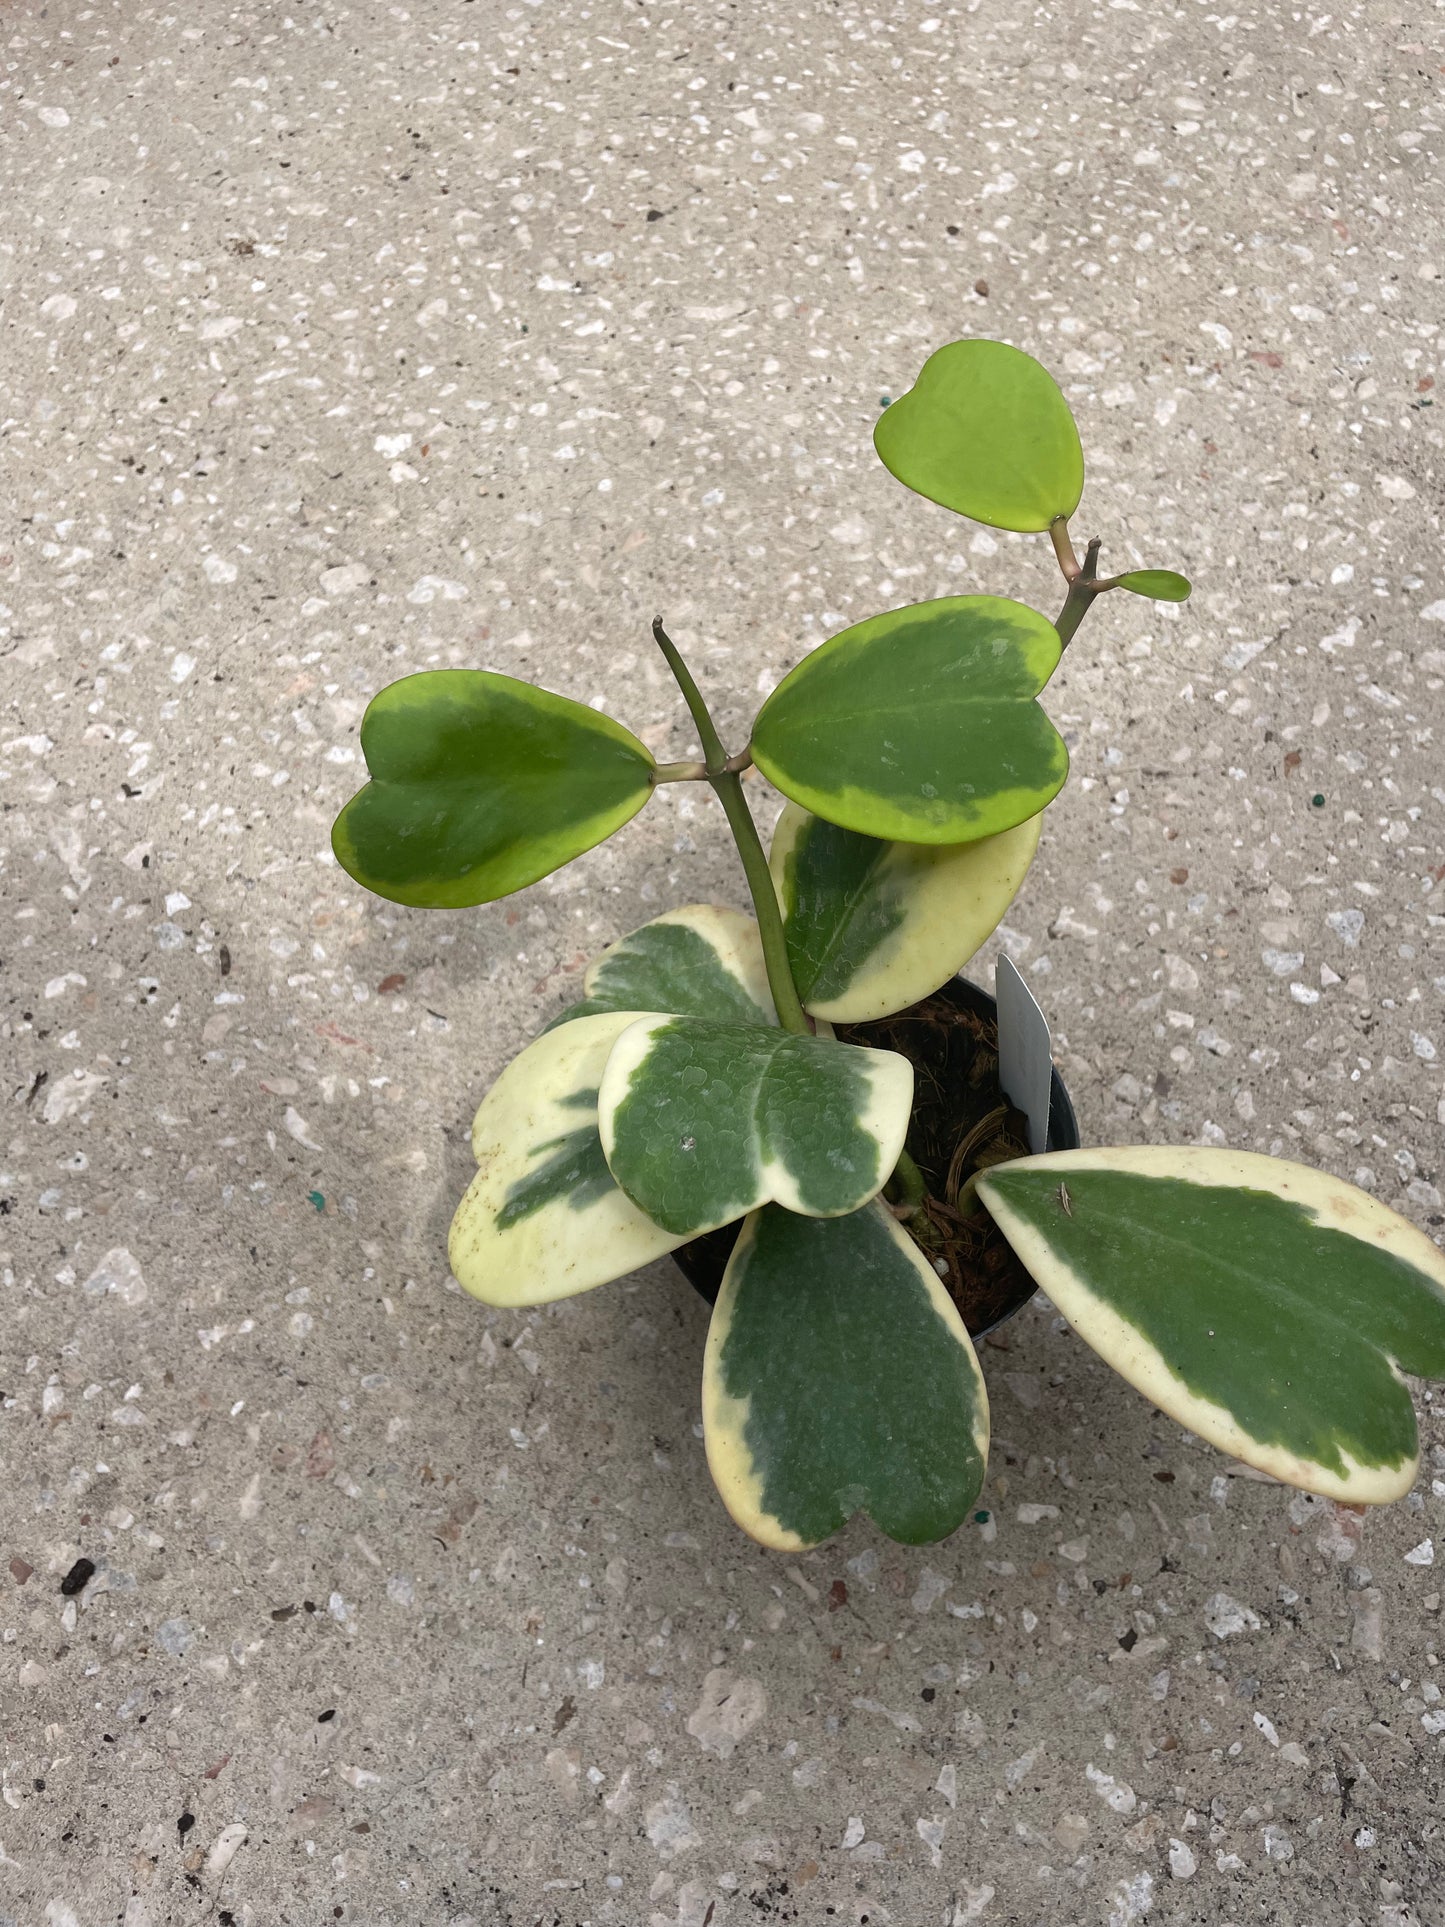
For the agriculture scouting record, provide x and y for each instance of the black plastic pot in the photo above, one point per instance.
(703, 1261)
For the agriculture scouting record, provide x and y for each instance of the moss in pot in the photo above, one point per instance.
(773, 1069)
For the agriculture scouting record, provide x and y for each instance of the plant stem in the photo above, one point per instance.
(707, 735)
(723, 774)
(910, 1184)
(1084, 585)
(1064, 547)
(728, 788)
(679, 773)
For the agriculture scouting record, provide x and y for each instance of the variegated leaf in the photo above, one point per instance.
(839, 1378)
(701, 961)
(1270, 1308)
(702, 1123)
(922, 724)
(543, 1217)
(873, 927)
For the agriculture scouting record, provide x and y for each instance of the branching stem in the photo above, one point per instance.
(1083, 581)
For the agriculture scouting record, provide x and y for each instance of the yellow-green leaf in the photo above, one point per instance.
(543, 1217)
(700, 961)
(921, 725)
(1159, 585)
(481, 784)
(873, 927)
(985, 431)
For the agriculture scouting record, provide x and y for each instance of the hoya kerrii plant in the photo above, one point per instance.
(699, 1081)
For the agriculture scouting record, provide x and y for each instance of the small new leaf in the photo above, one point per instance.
(1160, 585)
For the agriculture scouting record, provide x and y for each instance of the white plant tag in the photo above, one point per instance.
(1025, 1054)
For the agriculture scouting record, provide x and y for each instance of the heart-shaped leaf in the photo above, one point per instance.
(543, 1217)
(702, 1123)
(986, 432)
(839, 1378)
(1268, 1307)
(481, 784)
(700, 961)
(873, 927)
(1160, 585)
(920, 726)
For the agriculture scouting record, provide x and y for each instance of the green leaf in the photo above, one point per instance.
(702, 1123)
(839, 1378)
(700, 961)
(481, 784)
(1268, 1307)
(873, 927)
(543, 1217)
(985, 431)
(1160, 585)
(920, 726)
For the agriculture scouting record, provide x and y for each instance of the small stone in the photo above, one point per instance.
(728, 1711)
(1182, 1863)
(1225, 1616)
(175, 1637)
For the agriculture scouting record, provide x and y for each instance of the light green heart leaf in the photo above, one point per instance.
(839, 1378)
(701, 961)
(985, 431)
(1268, 1307)
(1160, 585)
(920, 726)
(481, 784)
(543, 1218)
(702, 1123)
(873, 927)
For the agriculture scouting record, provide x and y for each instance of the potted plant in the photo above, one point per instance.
(774, 1082)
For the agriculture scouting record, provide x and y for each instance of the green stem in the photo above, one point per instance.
(909, 1181)
(707, 735)
(727, 786)
(1084, 586)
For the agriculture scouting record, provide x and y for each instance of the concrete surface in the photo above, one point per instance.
(342, 340)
